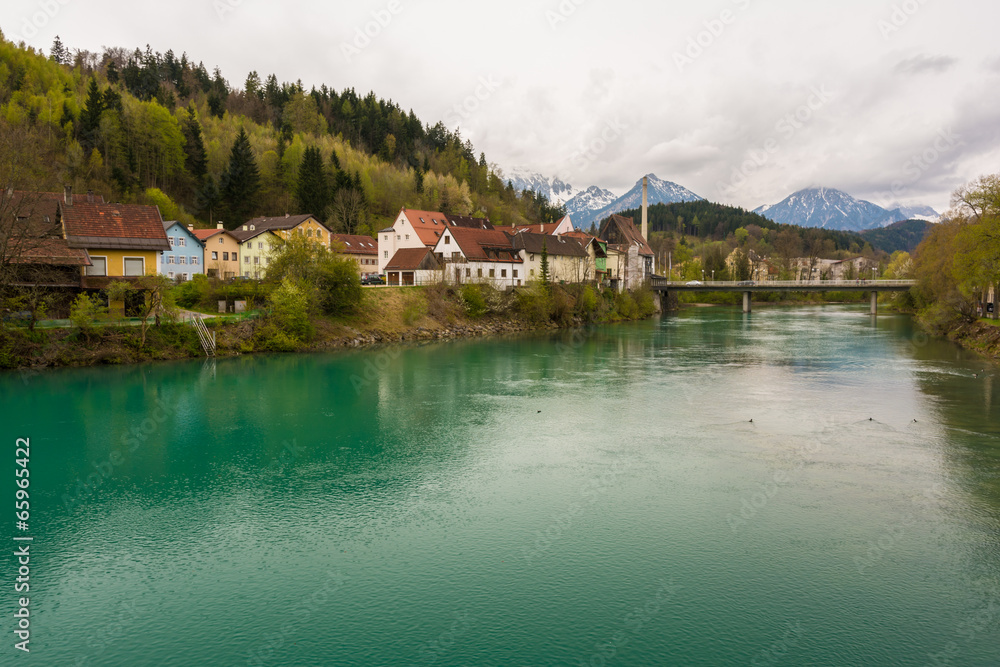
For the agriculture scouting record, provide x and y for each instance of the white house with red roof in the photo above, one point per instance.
(475, 255)
(412, 229)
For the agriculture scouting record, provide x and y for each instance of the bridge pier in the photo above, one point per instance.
(746, 302)
(874, 302)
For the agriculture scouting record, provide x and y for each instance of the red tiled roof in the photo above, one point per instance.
(627, 232)
(427, 224)
(485, 245)
(126, 226)
(412, 259)
(53, 252)
(353, 244)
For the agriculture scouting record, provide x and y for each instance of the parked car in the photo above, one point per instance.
(695, 283)
(373, 279)
(746, 283)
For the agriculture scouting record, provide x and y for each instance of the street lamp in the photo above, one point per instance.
(703, 275)
(713, 275)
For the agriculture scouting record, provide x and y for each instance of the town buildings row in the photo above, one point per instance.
(83, 241)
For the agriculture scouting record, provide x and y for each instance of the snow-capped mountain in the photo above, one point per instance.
(660, 192)
(584, 203)
(914, 213)
(556, 190)
(832, 209)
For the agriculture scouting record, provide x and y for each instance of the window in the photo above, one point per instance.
(170, 275)
(386, 254)
(194, 260)
(468, 273)
(493, 273)
(309, 233)
(221, 241)
(134, 266)
(447, 240)
(407, 237)
(225, 256)
(170, 239)
(182, 260)
(182, 242)
(100, 267)
(171, 259)
(480, 273)
(187, 276)
(256, 260)
(398, 237)
(386, 237)
(246, 260)
(215, 255)
(532, 273)
(515, 273)
(503, 273)
(260, 245)
(531, 258)
(246, 275)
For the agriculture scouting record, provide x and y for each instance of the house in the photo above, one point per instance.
(361, 249)
(415, 229)
(413, 266)
(256, 247)
(122, 240)
(186, 256)
(305, 225)
(222, 252)
(630, 259)
(562, 226)
(35, 250)
(568, 259)
(477, 255)
(597, 251)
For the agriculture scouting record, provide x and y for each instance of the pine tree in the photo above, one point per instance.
(90, 117)
(419, 180)
(335, 161)
(545, 267)
(241, 182)
(59, 54)
(112, 72)
(196, 158)
(312, 190)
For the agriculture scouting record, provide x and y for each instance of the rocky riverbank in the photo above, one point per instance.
(980, 336)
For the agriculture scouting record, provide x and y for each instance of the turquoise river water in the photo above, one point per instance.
(597, 497)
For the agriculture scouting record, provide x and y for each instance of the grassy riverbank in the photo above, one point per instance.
(383, 316)
(982, 336)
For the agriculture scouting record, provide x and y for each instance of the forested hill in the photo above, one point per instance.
(139, 126)
(717, 222)
(905, 236)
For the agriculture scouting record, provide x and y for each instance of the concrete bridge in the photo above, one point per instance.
(748, 287)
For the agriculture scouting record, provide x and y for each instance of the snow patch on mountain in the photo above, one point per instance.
(827, 208)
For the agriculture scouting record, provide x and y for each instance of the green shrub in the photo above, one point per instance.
(290, 310)
(586, 303)
(474, 302)
(533, 304)
(84, 313)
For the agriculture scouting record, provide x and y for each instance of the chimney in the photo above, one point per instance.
(287, 216)
(645, 208)
(220, 226)
(90, 196)
(191, 227)
(68, 195)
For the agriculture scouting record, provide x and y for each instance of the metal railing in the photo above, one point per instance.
(206, 337)
(831, 284)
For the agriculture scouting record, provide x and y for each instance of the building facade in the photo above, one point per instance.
(222, 252)
(186, 257)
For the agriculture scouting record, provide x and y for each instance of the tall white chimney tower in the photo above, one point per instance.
(645, 208)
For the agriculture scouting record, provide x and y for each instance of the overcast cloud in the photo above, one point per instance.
(742, 101)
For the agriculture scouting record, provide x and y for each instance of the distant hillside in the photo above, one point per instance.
(143, 127)
(905, 236)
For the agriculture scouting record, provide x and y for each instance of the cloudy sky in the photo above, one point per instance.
(742, 101)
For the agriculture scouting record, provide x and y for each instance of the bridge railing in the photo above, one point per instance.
(831, 284)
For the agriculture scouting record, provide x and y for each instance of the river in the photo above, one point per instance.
(799, 486)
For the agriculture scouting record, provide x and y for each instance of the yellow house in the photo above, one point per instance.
(222, 252)
(122, 240)
(285, 227)
(256, 247)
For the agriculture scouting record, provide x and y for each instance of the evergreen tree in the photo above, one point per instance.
(90, 117)
(335, 161)
(419, 180)
(209, 198)
(196, 158)
(60, 54)
(241, 182)
(545, 267)
(312, 191)
(112, 72)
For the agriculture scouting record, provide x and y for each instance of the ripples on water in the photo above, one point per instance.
(542, 500)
